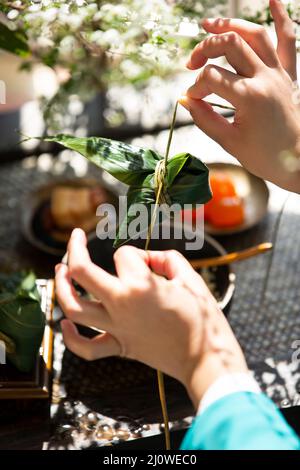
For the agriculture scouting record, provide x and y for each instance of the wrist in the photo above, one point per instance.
(290, 160)
(212, 366)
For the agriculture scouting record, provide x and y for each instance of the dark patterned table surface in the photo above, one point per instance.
(111, 401)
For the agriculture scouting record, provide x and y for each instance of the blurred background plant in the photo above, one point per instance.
(263, 15)
(92, 45)
(100, 52)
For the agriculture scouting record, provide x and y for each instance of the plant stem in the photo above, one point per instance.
(223, 106)
(171, 134)
(160, 376)
(163, 402)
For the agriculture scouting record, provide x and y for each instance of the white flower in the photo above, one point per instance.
(120, 10)
(148, 49)
(131, 69)
(64, 8)
(80, 3)
(34, 7)
(67, 46)
(97, 37)
(92, 8)
(44, 42)
(111, 38)
(150, 25)
(50, 14)
(12, 14)
(188, 29)
(72, 20)
(106, 8)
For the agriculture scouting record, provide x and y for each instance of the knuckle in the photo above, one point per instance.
(71, 311)
(77, 268)
(260, 31)
(137, 288)
(118, 300)
(257, 91)
(123, 251)
(89, 354)
(232, 38)
(173, 253)
(140, 289)
(290, 35)
(207, 71)
(262, 93)
(206, 42)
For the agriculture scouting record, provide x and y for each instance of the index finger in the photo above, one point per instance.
(255, 35)
(131, 264)
(230, 45)
(285, 30)
(173, 265)
(91, 277)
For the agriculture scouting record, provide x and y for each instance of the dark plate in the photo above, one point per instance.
(36, 206)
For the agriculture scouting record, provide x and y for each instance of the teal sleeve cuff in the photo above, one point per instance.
(241, 421)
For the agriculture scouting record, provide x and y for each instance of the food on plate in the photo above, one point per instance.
(72, 207)
(226, 208)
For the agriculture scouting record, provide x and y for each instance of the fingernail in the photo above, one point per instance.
(188, 63)
(57, 267)
(183, 100)
(208, 21)
(77, 232)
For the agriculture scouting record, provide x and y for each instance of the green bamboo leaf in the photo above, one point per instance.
(145, 196)
(127, 163)
(21, 318)
(186, 180)
(13, 41)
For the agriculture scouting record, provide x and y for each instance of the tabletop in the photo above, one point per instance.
(112, 400)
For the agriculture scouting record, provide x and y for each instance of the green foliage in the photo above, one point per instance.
(14, 41)
(264, 16)
(186, 177)
(22, 321)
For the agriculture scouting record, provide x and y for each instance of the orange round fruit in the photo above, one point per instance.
(226, 208)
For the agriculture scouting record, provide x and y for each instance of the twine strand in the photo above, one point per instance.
(160, 192)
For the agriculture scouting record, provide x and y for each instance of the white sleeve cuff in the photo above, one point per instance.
(226, 385)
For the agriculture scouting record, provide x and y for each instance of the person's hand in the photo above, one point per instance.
(157, 310)
(265, 134)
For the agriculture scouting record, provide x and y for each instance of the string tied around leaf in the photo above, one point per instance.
(160, 175)
(159, 182)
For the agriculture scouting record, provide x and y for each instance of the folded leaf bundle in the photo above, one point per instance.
(185, 177)
(22, 321)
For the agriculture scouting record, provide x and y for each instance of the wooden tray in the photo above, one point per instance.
(36, 384)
